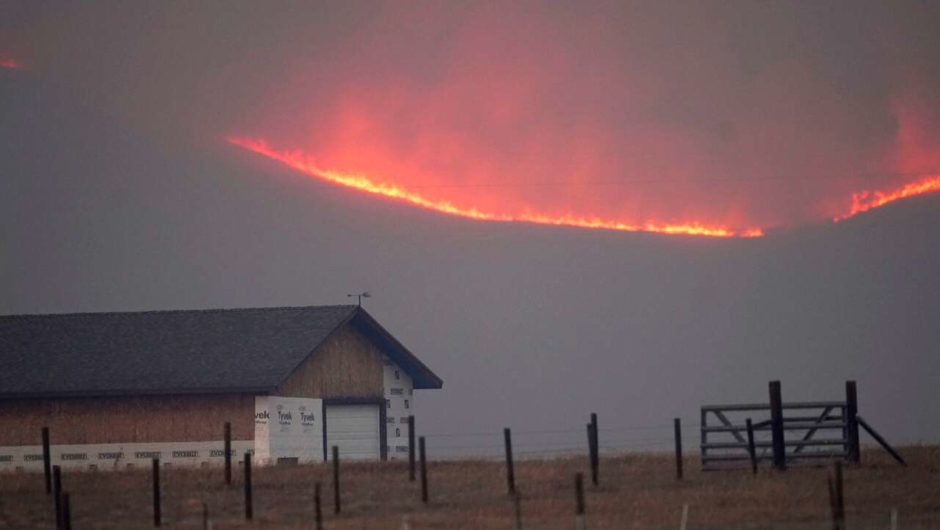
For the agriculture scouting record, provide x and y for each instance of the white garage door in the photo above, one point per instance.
(355, 429)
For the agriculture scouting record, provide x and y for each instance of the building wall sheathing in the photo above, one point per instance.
(399, 404)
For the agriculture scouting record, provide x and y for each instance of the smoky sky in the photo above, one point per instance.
(119, 191)
(731, 113)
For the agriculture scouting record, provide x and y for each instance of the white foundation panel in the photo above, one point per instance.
(114, 456)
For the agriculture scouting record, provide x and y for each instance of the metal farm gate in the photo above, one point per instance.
(784, 433)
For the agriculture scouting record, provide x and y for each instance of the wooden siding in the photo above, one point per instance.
(127, 420)
(346, 365)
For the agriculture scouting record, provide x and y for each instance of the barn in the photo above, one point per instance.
(118, 389)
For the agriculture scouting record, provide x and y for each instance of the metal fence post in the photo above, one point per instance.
(424, 470)
(751, 449)
(47, 459)
(510, 471)
(595, 449)
(337, 506)
(227, 435)
(57, 495)
(249, 502)
(411, 448)
(157, 516)
(776, 425)
(677, 426)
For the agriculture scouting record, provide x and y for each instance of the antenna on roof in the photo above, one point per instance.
(360, 296)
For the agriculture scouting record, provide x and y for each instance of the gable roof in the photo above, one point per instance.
(176, 352)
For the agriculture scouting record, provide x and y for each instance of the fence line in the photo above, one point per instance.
(539, 446)
(536, 442)
(497, 433)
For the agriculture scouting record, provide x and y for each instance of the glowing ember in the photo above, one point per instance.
(303, 163)
(866, 200)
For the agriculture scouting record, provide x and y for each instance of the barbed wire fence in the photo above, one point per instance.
(549, 443)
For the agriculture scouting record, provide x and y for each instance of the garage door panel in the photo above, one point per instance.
(355, 430)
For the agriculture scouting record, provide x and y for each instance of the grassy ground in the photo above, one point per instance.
(636, 491)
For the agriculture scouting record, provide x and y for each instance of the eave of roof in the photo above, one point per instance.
(422, 376)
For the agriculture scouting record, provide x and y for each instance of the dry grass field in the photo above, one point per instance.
(636, 491)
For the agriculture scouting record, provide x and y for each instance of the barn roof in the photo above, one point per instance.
(176, 352)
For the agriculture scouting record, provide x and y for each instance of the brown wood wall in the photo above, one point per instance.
(346, 365)
(127, 420)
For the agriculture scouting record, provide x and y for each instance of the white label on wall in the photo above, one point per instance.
(287, 427)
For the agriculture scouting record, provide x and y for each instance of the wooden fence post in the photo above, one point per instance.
(157, 519)
(677, 426)
(249, 507)
(593, 439)
(838, 499)
(336, 497)
(510, 471)
(57, 495)
(47, 459)
(317, 509)
(424, 470)
(579, 508)
(853, 452)
(751, 449)
(205, 516)
(411, 448)
(776, 426)
(227, 435)
(66, 512)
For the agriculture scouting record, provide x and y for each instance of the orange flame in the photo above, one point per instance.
(863, 201)
(303, 163)
(10, 63)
